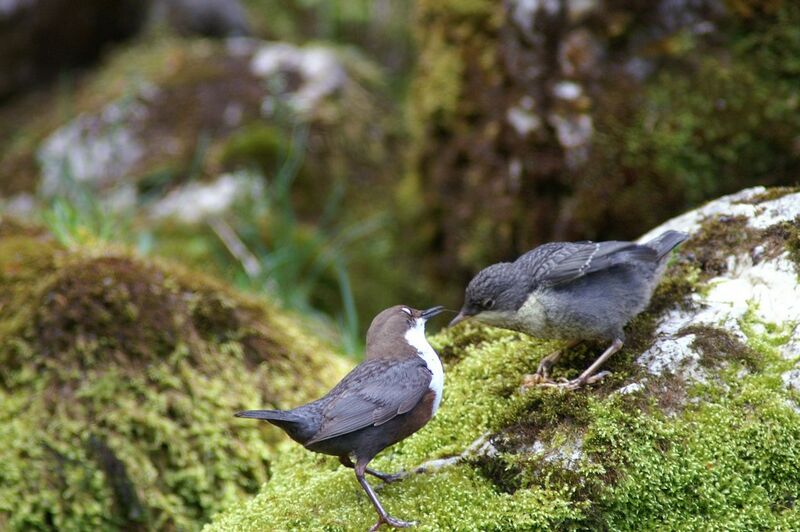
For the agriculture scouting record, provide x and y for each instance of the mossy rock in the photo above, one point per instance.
(163, 110)
(667, 447)
(541, 121)
(118, 385)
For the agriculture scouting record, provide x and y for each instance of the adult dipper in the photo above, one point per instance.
(570, 291)
(386, 398)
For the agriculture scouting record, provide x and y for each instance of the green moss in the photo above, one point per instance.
(718, 238)
(788, 233)
(438, 96)
(718, 346)
(724, 458)
(726, 464)
(118, 380)
(713, 120)
(34, 116)
(259, 144)
(770, 194)
(766, 338)
(706, 253)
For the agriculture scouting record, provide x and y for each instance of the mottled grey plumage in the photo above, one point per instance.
(386, 398)
(571, 290)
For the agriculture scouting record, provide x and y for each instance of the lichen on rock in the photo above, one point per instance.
(643, 449)
(118, 381)
(742, 244)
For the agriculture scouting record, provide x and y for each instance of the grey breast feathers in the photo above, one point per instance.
(373, 393)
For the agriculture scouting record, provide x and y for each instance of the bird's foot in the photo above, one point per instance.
(530, 380)
(542, 375)
(580, 382)
(547, 363)
(388, 478)
(391, 521)
(534, 380)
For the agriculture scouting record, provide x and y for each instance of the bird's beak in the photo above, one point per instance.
(431, 312)
(461, 316)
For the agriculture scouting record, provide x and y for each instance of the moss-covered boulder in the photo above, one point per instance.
(118, 381)
(164, 111)
(563, 120)
(664, 446)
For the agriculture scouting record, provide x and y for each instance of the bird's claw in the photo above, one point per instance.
(571, 385)
(537, 379)
(391, 521)
(388, 479)
(597, 377)
(533, 379)
(543, 370)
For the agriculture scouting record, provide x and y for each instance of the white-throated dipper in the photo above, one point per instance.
(386, 398)
(570, 291)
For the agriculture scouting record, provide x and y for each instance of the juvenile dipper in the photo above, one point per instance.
(570, 291)
(386, 398)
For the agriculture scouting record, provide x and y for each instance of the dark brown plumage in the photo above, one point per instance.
(386, 398)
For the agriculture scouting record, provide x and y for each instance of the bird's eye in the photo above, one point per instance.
(406, 310)
(488, 303)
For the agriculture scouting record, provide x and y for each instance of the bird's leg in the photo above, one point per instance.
(542, 372)
(590, 376)
(615, 346)
(383, 517)
(386, 477)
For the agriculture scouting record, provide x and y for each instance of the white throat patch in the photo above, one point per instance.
(416, 339)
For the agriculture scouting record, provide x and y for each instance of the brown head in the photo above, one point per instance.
(388, 329)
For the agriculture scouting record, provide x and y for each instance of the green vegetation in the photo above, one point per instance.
(727, 461)
(719, 454)
(119, 377)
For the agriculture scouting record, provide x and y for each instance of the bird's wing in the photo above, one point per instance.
(362, 401)
(557, 263)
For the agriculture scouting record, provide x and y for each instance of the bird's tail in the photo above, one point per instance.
(270, 415)
(666, 242)
(299, 428)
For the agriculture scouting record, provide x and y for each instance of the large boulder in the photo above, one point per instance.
(119, 378)
(550, 120)
(163, 112)
(697, 427)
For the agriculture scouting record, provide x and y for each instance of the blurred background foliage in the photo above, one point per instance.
(344, 156)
